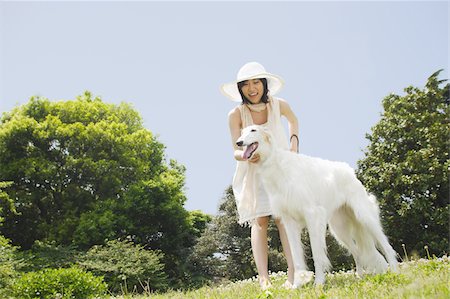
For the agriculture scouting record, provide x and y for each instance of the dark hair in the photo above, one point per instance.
(265, 96)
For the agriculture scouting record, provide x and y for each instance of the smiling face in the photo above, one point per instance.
(253, 90)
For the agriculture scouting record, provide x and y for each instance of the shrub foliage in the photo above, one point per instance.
(126, 266)
(10, 263)
(59, 283)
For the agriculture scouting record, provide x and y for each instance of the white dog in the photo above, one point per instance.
(311, 192)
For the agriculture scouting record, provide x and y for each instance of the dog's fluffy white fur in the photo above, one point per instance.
(307, 192)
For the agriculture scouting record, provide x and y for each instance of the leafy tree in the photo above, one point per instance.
(406, 166)
(224, 249)
(199, 221)
(5, 202)
(84, 171)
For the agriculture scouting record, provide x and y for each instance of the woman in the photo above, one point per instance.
(255, 88)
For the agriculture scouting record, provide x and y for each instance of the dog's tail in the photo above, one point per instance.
(369, 235)
(352, 234)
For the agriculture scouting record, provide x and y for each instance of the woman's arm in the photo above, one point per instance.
(286, 110)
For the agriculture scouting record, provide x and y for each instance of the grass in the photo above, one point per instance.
(416, 279)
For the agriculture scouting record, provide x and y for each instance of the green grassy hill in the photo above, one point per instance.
(417, 279)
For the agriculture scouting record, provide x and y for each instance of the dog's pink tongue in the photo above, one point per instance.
(248, 151)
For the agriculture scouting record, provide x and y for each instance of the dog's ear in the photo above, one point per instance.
(267, 135)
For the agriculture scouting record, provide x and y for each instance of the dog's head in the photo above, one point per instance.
(254, 139)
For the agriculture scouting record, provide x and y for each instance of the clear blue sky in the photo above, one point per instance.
(168, 59)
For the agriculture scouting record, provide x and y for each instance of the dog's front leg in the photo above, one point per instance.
(293, 232)
(316, 224)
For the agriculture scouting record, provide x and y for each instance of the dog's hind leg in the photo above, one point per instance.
(372, 237)
(382, 243)
(342, 227)
(353, 232)
(293, 232)
(388, 251)
(316, 222)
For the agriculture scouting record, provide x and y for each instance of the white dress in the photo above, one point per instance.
(252, 200)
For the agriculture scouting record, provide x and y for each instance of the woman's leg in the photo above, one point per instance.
(260, 249)
(286, 249)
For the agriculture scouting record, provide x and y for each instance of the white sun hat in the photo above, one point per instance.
(252, 70)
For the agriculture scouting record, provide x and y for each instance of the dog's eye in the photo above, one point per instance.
(253, 130)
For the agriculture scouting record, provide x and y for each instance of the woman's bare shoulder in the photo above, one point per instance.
(235, 112)
(234, 117)
(282, 101)
(283, 104)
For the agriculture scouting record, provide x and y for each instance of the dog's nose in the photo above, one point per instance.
(240, 143)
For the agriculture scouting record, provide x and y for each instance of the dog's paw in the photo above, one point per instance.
(287, 285)
(319, 280)
(265, 284)
(394, 268)
(301, 278)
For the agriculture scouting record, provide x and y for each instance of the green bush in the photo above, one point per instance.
(9, 263)
(59, 283)
(45, 255)
(127, 267)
